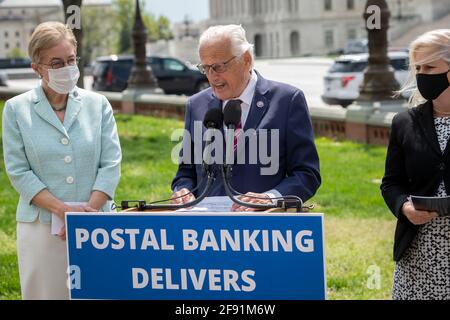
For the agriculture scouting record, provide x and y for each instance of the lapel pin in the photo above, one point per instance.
(260, 104)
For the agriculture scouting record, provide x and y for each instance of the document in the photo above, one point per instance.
(439, 204)
(58, 223)
(211, 204)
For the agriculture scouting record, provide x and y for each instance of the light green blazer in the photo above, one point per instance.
(70, 159)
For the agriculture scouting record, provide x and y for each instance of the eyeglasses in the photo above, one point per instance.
(217, 67)
(59, 63)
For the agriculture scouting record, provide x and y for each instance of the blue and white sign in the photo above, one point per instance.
(226, 256)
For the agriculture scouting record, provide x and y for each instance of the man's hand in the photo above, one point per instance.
(248, 197)
(417, 217)
(185, 196)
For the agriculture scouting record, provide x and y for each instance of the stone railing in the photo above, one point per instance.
(366, 126)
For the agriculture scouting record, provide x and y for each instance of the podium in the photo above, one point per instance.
(196, 255)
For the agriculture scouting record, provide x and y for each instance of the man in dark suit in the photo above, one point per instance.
(227, 60)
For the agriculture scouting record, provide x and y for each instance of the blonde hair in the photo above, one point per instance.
(437, 44)
(47, 35)
(233, 32)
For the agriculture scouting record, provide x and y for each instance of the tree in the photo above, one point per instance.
(124, 20)
(77, 32)
(15, 53)
(123, 11)
(164, 28)
(97, 36)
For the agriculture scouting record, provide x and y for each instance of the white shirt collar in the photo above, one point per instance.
(249, 91)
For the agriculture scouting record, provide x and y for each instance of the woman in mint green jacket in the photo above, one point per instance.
(62, 154)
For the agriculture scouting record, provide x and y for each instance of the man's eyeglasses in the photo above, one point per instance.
(217, 67)
(58, 63)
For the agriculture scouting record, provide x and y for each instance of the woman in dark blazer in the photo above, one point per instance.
(418, 163)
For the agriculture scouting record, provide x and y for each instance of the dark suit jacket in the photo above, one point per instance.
(274, 106)
(415, 165)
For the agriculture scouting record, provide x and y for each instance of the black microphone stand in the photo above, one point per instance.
(284, 203)
(203, 195)
(226, 171)
(212, 121)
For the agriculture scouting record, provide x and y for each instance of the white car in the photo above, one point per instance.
(346, 75)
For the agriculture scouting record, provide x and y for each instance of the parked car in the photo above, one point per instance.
(111, 73)
(357, 46)
(3, 78)
(15, 63)
(342, 82)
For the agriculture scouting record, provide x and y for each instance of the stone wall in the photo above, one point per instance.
(331, 122)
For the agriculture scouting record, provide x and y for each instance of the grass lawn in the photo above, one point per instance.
(358, 226)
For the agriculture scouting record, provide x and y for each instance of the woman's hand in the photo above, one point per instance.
(417, 217)
(72, 208)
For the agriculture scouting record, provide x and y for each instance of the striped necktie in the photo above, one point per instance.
(237, 132)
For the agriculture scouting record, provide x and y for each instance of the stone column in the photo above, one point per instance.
(377, 90)
(141, 79)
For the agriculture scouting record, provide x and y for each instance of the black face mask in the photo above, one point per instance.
(431, 86)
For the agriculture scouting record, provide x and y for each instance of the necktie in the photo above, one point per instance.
(237, 132)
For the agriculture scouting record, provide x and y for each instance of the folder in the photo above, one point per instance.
(439, 204)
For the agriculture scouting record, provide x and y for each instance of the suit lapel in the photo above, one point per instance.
(257, 111)
(73, 109)
(427, 124)
(260, 104)
(44, 110)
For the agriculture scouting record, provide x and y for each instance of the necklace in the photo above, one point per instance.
(61, 108)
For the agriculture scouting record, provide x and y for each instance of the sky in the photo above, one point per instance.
(176, 10)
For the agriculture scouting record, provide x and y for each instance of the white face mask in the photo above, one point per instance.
(63, 80)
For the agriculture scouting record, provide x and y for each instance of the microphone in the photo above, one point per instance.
(213, 120)
(232, 116)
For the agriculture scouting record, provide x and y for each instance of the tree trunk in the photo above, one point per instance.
(78, 35)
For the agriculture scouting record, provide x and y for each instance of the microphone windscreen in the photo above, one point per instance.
(213, 118)
(232, 112)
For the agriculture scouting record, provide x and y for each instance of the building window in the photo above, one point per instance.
(6, 45)
(271, 44)
(295, 43)
(18, 45)
(258, 45)
(17, 34)
(350, 4)
(6, 34)
(292, 5)
(351, 34)
(24, 11)
(258, 7)
(277, 40)
(328, 5)
(329, 39)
